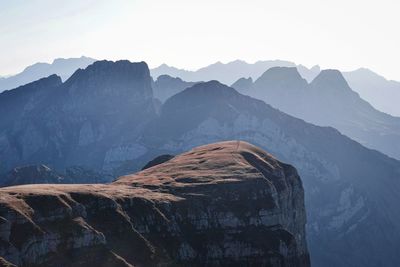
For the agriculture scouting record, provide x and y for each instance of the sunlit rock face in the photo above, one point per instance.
(224, 204)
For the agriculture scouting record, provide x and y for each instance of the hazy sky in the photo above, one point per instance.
(341, 34)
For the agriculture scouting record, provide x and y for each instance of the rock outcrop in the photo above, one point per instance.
(224, 204)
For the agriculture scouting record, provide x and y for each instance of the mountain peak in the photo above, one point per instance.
(121, 70)
(210, 88)
(243, 84)
(330, 79)
(277, 77)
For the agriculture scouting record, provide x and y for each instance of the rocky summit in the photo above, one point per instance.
(223, 204)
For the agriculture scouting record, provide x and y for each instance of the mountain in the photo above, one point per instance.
(91, 120)
(166, 86)
(380, 92)
(329, 101)
(105, 118)
(243, 85)
(230, 72)
(350, 190)
(63, 67)
(189, 211)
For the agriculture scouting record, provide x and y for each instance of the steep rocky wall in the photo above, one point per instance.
(223, 204)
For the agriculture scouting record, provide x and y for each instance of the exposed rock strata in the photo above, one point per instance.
(223, 204)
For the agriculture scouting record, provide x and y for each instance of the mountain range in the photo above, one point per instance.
(231, 71)
(63, 67)
(106, 118)
(327, 101)
(375, 89)
(381, 93)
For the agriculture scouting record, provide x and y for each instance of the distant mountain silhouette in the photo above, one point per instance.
(230, 72)
(381, 93)
(61, 66)
(329, 101)
(166, 86)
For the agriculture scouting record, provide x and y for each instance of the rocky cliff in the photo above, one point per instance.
(224, 204)
(91, 120)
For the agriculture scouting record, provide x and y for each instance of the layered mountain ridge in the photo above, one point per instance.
(344, 181)
(328, 101)
(63, 67)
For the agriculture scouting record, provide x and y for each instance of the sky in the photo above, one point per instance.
(341, 34)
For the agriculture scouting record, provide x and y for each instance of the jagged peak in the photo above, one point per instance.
(330, 79)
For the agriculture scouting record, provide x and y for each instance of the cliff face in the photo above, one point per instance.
(91, 120)
(223, 204)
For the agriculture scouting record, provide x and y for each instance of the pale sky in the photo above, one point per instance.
(342, 34)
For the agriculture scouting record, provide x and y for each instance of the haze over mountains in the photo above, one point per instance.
(60, 66)
(378, 91)
(105, 118)
(231, 71)
(383, 94)
(375, 89)
(327, 101)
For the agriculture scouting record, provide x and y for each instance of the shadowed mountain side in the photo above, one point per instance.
(91, 120)
(224, 204)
